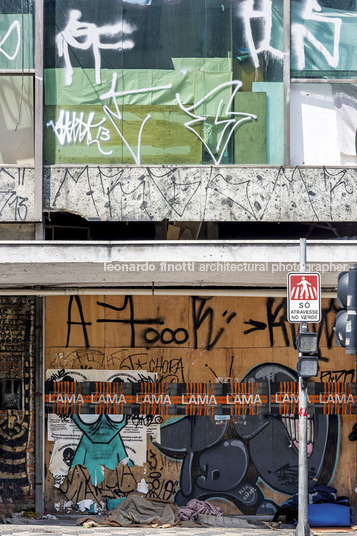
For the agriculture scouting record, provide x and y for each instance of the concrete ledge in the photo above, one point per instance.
(151, 265)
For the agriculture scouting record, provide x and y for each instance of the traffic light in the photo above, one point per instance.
(308, 362)
(346, 319)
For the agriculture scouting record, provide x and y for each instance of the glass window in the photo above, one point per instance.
(16, 34)
(16, 120)
(323, 119)
(323, 38)
(164, 82)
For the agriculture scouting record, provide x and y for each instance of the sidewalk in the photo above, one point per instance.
(45, 530)
(67, 526)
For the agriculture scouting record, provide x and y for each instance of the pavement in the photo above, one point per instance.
(19, 526)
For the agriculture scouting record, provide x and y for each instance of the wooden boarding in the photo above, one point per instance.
(184, 339)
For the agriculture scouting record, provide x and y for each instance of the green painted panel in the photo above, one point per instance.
(275, 120)
(207, 65)
(17, 42)
(84, 90)
(86, 134)
(250, 140)
(192, 86)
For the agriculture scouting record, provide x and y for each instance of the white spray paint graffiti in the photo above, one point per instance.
(85, 35)
(137, 2)
(72, 128)
(145, 3)
(230, 124)
(299, 33)
(15, 27)
(113, 116)
(248, 13)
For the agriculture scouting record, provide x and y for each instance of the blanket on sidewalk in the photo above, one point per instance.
(137, 510)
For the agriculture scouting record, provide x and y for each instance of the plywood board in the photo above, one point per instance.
(225, 338)
(72, 322)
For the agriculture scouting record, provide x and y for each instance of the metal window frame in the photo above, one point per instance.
(288, 80)
(37, 76)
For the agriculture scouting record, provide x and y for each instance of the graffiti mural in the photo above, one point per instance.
(162, 389)
(100, 444)
(16, 409)
(14, 482)
(227, 461)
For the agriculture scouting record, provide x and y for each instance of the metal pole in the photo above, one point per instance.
(39, 408)
(39, 10)
(303, 528)
(286, 80)
(39, 400)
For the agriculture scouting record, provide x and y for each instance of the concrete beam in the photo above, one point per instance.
(41, 265)
(203, 193)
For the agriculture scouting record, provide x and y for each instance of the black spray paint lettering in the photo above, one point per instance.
(136, 361)
(276, 318)
(158, 487)
(16, 202)
(203, 318)
(161, 489)
(288, 475)
(169, 370)
(56, 376)
(144, 420)
(218, 379)
(132, 321)
(201, 313)
(337, 375)
(179, 200)
(82, 323)
(167, 336)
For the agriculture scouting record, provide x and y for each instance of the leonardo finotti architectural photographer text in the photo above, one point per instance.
(191, 266)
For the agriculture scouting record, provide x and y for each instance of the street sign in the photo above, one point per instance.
(304, 297)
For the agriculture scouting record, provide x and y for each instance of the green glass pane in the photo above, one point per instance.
(323, 39)
(16, 120)
(16, 38)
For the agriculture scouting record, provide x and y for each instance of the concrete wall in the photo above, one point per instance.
(139, 193)
(17, 194)
(198, 193)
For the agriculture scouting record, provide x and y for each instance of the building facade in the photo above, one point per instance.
(160, 161)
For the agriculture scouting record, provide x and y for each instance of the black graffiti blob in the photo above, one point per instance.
(227, 460)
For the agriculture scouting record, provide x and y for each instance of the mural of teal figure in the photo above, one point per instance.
(100, 444)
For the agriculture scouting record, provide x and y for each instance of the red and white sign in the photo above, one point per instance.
(304, 297)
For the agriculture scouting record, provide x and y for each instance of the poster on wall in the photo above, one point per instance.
(84, 436)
